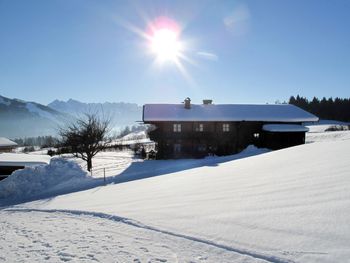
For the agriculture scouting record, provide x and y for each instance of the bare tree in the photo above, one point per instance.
(86, 137)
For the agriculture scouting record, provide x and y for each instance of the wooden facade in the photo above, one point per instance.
(199, 139)
(7, 149)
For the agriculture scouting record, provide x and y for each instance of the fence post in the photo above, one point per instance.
(104, 175)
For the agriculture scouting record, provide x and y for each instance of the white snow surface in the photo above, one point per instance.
(109, 163)
(53, 236)
(6, 142)
(23, 159)
(226, 112)
(328, 136)
(284, 128)
(289, 205)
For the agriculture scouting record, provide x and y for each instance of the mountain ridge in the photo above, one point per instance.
(120, 113)
(20, 118)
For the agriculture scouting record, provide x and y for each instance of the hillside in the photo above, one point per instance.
(289, 205)
(20, 118)
(121, 113)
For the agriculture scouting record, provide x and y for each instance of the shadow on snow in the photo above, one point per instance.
(138, 171)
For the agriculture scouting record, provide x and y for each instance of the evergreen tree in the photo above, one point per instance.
(332, 109)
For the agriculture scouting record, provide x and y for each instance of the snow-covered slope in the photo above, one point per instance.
(290, 205)
(19, 118)
(120, 114)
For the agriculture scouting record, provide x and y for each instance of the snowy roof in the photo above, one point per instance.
(285, 128)
(21, 159)
(4, 142)
(226, 112)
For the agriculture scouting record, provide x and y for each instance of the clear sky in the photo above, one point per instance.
(232, 51)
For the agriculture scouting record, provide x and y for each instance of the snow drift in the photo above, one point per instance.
(30, 182)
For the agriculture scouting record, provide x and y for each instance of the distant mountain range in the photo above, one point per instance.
(20, 118)
(121, 114)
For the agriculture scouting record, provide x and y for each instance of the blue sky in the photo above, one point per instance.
(239, 51)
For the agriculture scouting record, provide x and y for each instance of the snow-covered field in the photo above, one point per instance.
(50, 236)
(290, 205)
(110, 163)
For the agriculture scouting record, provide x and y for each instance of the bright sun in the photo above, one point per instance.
(163, 35)
(165, 44)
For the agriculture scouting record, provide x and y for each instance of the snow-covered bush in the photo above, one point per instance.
(338, 128)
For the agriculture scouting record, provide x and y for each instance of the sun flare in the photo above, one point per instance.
(165, 44)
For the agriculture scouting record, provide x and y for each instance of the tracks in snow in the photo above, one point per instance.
(255, 256)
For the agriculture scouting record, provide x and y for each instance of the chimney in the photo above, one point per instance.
(207, 102)
(187, 103)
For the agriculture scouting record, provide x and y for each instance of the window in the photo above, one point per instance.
(177, 127)
(199, 127)
(177, 148)
(201, 148)
(225, 127)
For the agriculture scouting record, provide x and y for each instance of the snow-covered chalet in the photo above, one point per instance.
(198, 130)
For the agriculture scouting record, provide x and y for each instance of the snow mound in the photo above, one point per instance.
(60, 175)
(251, 150)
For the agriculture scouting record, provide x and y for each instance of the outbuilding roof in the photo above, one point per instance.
(285, 128)
(226, 112)
(4, 142)
(22, 159)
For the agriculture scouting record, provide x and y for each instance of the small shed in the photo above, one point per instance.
(10, 162)
(278, 136)
(7, 145)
